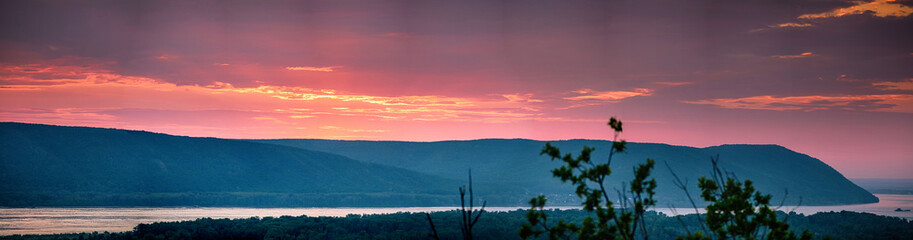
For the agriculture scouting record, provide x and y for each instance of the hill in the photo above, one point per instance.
(776, 170)
(42, 165)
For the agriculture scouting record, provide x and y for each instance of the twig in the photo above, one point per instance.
(679, 218)
(684, 186)
(433, 230)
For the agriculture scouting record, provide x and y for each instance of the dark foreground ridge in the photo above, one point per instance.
(43, 165)
(495, 225)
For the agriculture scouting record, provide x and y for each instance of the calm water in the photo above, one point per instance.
(71, 220)
(886, 205)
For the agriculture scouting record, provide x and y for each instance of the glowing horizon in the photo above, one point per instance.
(831, 80)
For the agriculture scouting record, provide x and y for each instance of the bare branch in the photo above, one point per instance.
(680, 220)
(479, 214)
(433, 230)
(684, 186)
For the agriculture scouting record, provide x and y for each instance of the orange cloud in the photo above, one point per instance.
(883, 103)
(335, 128)
(673, 83)
(612, 96)
(784, 25)
(520, 97)
(879, 8)
(802, 55)
(791, 25)
(91, 95)
(500, 115)
(84, 96)
(397, 35)
(905, 85)
(314, 69)
(64, 114)
(166, 57)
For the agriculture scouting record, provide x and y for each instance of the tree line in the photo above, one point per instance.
(493, 225)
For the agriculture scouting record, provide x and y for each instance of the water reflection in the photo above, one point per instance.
(72, 220)
(886, 206)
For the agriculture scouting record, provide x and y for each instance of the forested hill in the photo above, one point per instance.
(774, 169)
(42, 165)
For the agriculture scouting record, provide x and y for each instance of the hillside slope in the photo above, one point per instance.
(140, 168)
(42, 165)
(774, 169)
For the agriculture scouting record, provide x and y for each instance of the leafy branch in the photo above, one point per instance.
(589, 177)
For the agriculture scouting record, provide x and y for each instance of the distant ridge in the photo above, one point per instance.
(774, 169)
(47, 165)
(43, 165)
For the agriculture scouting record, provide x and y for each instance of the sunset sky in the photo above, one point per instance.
(831, 79)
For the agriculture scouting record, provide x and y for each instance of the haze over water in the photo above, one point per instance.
(75, 220)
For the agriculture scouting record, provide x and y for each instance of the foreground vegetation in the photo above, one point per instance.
(736, 209)
(493, 225)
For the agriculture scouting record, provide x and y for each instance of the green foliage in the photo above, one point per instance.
(853, 225)
(495, 225)
(735, 210)
(537, 216)
(589, 177)
(738, 211)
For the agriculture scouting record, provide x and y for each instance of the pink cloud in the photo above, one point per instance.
(673, 83)
(314, 69)
(876, 102)
(906, 85)
(335, 128)
(610, 96)
(788, 25)
(801, 55)
(84, 95)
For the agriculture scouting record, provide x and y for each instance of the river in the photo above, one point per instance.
(74, 220)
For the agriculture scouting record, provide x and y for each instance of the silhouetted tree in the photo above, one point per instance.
(589, 177)
(738, 211)
(467, 220)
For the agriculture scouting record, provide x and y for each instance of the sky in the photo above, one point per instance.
(831, 79)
